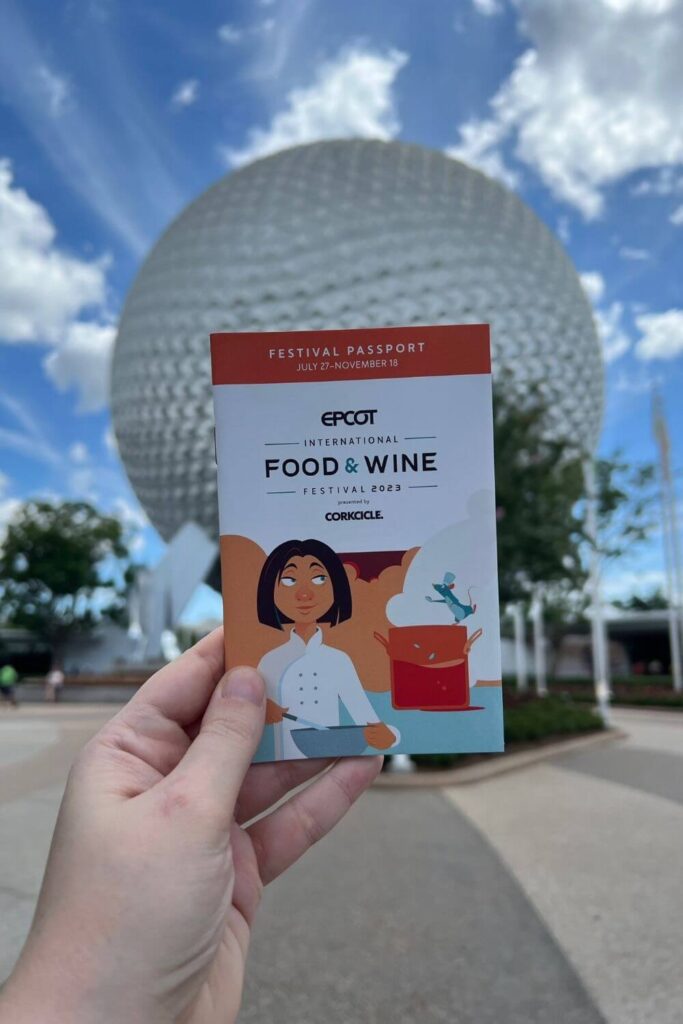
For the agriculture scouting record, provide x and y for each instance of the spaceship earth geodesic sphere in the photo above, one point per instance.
(349, 233)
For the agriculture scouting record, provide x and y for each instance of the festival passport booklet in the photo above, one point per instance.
(358, 538)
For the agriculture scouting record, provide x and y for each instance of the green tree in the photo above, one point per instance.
(626, 504)
(541, 511)
(63, 567)
(655, 601)
(540, 498)
(539, 485)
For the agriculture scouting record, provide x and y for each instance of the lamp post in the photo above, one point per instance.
(539, 641)
(598, 636)
(517, 613)
(672, 554)
(672, 606)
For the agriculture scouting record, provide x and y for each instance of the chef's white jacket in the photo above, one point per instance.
(310, 679)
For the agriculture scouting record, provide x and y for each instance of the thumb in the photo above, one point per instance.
(217, 760)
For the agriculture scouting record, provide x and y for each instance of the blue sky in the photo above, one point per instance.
(114, 115)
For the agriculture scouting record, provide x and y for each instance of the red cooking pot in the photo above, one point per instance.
(429, 667)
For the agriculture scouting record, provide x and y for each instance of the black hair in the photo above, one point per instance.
(269, 614)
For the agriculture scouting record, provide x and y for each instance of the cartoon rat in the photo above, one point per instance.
(459, 610)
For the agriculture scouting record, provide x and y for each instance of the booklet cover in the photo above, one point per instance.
(358, 539)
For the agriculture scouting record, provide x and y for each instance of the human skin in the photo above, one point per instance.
(304, 594)
(155, 874)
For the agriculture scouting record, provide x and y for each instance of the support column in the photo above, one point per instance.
(672, 553)
(673, 613)
(517, 613)
(539, 642)
(170, 585)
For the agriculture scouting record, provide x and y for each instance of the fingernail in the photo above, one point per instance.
(244, 683)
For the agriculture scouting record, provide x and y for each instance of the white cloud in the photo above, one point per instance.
(83, 361)
(269, 48)
(593, 284)
(487, 7)
(134, 520)
(594, 98)
(615, 340)
(186, 93)
(82, 484)
(54, 89)
(45, 292)
(627, 252)
(640, 383)
(137, 544)
(78, 452)
(41, 287)
(564, 229)
(661, 335)
(351, 96)
(72, 472)
(666, 182)
(625, 584)
(677, 216)
(275, 42)
(8, 509)
(230, 34)
(132, 184)
(133, 516)
(26, 436)
(608, 319)
(478, 148)
(109, 440)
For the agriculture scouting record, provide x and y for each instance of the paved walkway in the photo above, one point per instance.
(595, 839)
(549, 894)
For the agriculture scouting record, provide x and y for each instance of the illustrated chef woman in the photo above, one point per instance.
(303, 583)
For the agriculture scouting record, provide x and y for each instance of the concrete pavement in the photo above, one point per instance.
(37, 746)
(407, 915)
(552, 893)
(594, 840)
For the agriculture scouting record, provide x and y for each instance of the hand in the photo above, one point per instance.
(379, 735)
(154, 875)
(274, 712)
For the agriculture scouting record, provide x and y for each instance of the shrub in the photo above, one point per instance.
(529, 719)
(541, 718)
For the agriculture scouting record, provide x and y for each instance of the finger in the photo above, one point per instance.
(148, 736)
(248, 887)
(182, 689)
(283, 836)
(217, 761)
(265, 784)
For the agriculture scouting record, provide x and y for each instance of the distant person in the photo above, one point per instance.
(54, 681)
(8, 682)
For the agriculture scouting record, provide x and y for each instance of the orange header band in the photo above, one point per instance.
(377, 352)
